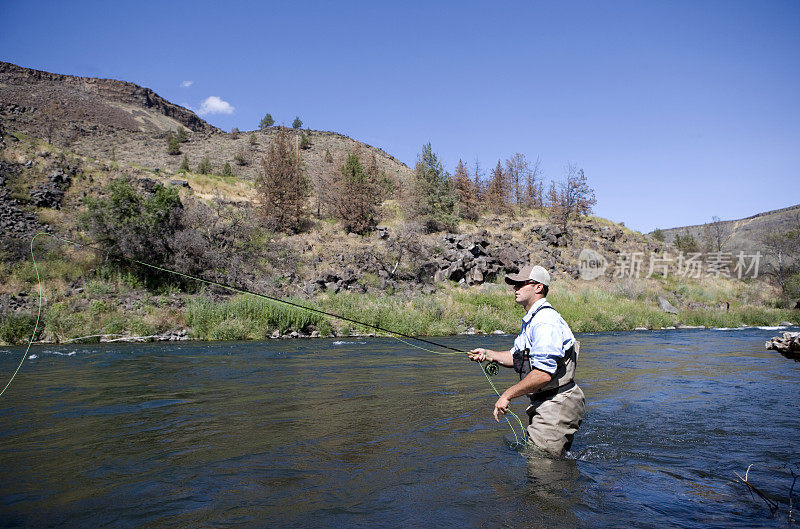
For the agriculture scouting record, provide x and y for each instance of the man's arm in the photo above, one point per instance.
(504, 358)
(533, 381)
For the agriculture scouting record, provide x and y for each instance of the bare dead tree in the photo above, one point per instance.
(572, 197)
(719, 232)
(532, 197)
(517, 172)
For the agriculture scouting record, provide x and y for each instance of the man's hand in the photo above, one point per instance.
(500, 407)
(479, 355)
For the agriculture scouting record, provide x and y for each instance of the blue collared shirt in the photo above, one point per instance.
(547, 337)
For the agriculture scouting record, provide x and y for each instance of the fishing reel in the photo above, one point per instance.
(491, 368)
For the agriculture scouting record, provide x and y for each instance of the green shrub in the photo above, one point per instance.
(247, 317)
(17, 329)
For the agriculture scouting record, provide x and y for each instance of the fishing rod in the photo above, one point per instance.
(490, 369)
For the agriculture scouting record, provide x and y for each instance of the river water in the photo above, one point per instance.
(372, 433)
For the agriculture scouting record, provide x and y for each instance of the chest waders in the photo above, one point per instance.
(562, 379)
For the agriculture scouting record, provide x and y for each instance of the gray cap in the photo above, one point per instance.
(530, 273)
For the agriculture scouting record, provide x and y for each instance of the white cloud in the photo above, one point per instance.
(215, 105)
(187, 84)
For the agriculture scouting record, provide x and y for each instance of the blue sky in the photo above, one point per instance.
(677, 111)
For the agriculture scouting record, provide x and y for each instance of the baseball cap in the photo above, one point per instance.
(530, 273)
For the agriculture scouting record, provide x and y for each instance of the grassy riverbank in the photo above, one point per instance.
(118, 305)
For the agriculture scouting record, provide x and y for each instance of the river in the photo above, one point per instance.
(368, 432)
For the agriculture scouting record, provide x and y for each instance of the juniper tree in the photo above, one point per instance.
(357, 197)
(478, 180)
(134, 224)
(497, 192)
(282, 187)
(432, 202)
(382, 182)
(205, 166)
(466, 196)
(172, 145)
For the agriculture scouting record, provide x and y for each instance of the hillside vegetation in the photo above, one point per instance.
(316, 218)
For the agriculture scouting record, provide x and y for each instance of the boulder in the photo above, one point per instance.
(666, 306)
(788, 344)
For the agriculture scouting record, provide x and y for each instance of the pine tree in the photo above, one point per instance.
(297, 123)
(283, 187)
(266, 122)
(226, 170)
(182, 136)
(184, 164)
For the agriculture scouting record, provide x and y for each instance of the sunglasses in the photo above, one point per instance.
(517, 286)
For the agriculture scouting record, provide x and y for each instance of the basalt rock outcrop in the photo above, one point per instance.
(50, 194)
(16, 225)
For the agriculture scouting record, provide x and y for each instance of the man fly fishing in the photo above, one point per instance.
(544, 354)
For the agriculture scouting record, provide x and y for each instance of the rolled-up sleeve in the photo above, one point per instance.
(547, 343)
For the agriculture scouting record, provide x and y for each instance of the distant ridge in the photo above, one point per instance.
(99, 102)
(745, 234)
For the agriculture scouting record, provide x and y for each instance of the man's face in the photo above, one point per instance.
(526, 293)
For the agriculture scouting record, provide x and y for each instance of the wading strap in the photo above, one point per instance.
(522, 359)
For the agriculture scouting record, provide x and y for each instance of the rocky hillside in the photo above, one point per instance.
(129, 124)
(34, 101)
